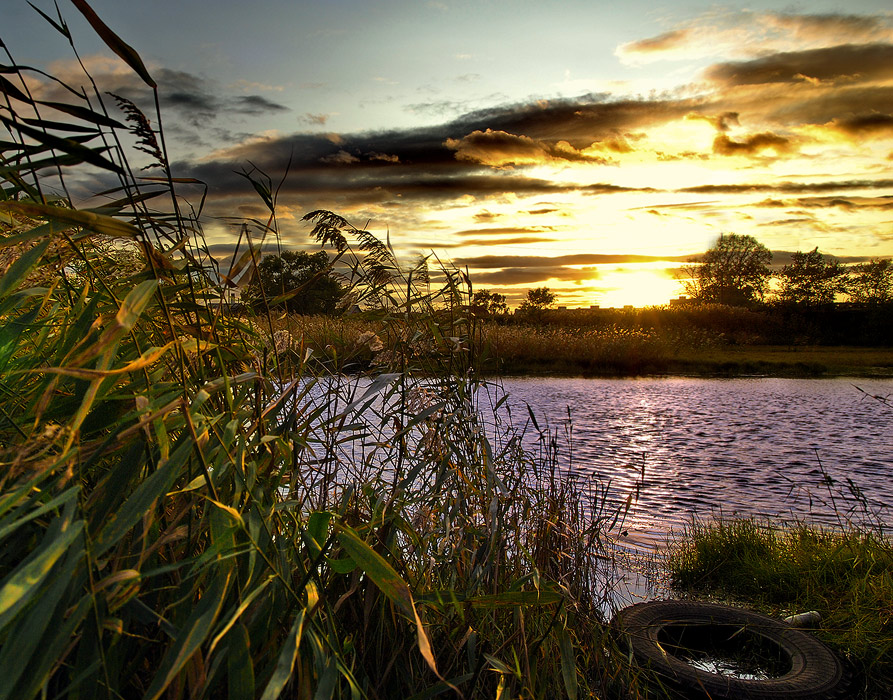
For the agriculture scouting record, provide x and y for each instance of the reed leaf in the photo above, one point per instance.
(96, 223)
(194, 632)
(124, 51)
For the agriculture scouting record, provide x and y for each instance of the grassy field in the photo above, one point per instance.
(515, 349)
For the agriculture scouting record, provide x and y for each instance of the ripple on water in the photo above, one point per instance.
(750, 447)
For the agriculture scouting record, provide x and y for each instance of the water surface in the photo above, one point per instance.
(765, 448)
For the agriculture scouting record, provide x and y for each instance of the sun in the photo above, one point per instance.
(651, 286)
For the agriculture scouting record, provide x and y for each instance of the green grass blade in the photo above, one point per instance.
(34, 631)
(115, 43)
(21, 267)
(286, 661)
(62, 499)
(105, 225)
(239, 669)
(191, 636)
(24, 582)
(568, 663)
(142, 499)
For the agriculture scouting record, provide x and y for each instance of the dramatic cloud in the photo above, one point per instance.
(791, 187)
(535, 276)
(847, 63)
(847, 203)
(498, 148)
(535, 261)
(752, 145)
(196, 101)
(658, 44)
(502, 231)
(729, 31)
(831, 28)
(314, 119)
(864, 125)
(516, 240)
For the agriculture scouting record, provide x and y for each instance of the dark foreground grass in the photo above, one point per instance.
(192, 506)
(846, 576)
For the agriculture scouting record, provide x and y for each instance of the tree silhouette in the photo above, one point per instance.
(812, 279)
(302, 281)
(734, 271)
(872, 282)
(486, 303)
(538, 299)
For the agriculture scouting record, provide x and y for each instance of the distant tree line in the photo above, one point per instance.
(736, 272)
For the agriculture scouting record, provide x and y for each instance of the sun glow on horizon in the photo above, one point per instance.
(638, 288)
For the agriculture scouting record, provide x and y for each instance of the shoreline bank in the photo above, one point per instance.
(749, 361)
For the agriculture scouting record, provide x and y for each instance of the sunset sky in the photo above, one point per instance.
(588, 147)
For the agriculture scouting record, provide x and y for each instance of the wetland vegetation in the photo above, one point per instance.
(172, 525)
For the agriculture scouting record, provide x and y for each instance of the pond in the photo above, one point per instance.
(810, 449)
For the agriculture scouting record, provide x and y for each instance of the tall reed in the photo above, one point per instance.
(190, 507)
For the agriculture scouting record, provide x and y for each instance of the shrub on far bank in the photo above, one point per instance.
(718, 324)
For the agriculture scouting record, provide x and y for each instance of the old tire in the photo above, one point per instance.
(661, 635)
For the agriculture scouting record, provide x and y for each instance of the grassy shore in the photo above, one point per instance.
(786, 361)
(845, 575)
(517, 349)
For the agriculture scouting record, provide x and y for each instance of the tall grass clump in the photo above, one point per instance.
(846, 575)
(192, 506)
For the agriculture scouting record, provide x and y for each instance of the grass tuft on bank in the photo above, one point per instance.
(847, 576)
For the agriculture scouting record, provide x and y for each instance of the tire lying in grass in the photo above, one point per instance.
(717, 651)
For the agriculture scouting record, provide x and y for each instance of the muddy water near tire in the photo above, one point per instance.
(766, 448)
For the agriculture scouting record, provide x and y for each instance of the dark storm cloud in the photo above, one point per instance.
(530, 276)
(850, 62)
(195, 100)
(581, 122)
(381, 165)
(439, 108)
(821, 106)
(535, 261)
(790, 187)
(864, 124)
(255, 105)
(751, 145)
(557, 129)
